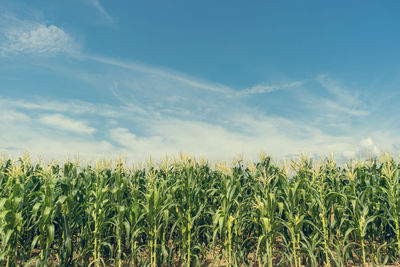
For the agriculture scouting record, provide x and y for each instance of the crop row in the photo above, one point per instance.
(188, 212)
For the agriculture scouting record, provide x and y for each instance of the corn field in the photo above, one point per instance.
(187, 212)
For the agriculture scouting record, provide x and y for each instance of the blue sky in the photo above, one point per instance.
(210, 78)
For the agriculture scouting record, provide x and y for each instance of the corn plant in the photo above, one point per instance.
(135, 219)
(326, 206)
(44, 213)
(295, 200)
(156, 214)
(11, 217)
(226, 216)
(391, 192)
(190, 204)
(119, 207)
(66, 203)
(267, 214)
(359, 218)
(99, 214)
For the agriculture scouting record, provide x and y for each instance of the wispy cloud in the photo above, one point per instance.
(332, 103)
(188, 81)
(159, 72)
(10, 115)
(346, 97)
(229, 134)
(65, 123)
(264, 88)
(340, 108)
(66, 106)
(31, 37)
(96, 4)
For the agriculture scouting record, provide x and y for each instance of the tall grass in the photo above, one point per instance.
(187, 212)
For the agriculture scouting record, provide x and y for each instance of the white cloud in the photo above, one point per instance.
(7, 115)
(216, 142)
(31, 37)
(365, 148)
(21, 133)
(368, 146)
(234, 133)
(67, 106)
(263, 88)
(123, 137)
(136, 146)
(62, 122)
